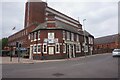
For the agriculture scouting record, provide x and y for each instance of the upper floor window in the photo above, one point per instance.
(90, 40)
(31, 37)
(68, 35)
(77, 37)
(35, 36)
(72, 37)
(38, 35)
(51, 35)
(63, 35)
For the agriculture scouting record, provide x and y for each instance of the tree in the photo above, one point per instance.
(4, 42)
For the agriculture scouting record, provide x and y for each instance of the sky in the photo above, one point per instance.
(101, 15)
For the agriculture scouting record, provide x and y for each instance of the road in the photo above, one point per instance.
(98, 66)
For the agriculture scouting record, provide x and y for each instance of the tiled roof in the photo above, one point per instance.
(59, 25)
(62, 26)
(106, 39)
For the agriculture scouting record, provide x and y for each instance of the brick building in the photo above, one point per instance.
(107, 43)
(52, 33)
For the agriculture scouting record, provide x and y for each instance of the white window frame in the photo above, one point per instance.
(46, 48)
(86, 48)
(35, 36)
(34, 49)
(32, 37)
(29, 37)
(53, 35)
(57, 44)
(63, 35)
(68, 35)
(37, 48)
(72, 36)
(78, 48)
(38, 35)
(64, 48)
(77, 38)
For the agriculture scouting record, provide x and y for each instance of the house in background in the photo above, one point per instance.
(106, 44)
(52, 33)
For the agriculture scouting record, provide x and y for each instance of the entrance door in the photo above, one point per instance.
(51, 50)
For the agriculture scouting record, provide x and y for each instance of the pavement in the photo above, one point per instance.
(6, 60)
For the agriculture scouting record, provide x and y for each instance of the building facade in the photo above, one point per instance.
(106, 44)
(51, 33)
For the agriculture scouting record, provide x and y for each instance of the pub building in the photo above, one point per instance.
(52, 34)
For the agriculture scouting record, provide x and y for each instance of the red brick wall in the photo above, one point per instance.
(36, 13)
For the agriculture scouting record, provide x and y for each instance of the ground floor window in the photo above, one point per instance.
(35, 49)
(86, 48)
(57, 48)
(39, 48)
(64, 48)
(44, 48)
(78, 48)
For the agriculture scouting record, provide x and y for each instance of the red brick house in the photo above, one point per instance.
(51, 32)
(107, 43)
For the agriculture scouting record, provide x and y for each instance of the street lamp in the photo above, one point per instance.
(84, 36)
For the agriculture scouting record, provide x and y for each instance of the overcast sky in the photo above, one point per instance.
(101, 15)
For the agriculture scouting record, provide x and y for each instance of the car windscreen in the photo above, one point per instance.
(117, 50)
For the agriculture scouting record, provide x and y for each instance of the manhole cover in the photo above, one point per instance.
(58, 74)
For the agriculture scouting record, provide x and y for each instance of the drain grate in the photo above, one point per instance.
(58, 74)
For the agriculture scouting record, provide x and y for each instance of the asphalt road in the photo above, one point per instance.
(99, 66)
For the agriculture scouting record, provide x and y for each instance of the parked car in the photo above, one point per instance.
(116, 52)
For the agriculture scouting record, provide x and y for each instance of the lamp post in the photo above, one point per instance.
(84, 36)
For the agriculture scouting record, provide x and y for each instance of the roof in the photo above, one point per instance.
(88, 34)
(106, 39)
(59, 25)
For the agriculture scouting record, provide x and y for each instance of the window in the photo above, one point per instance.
(51, 36)
(86, 48)
(57, 48)
(31, 37)
(78, 48)
(35, 36)
(38, 35)
(63, 35)
(64, 48)
(72, 37)
(35, 49)
(68, 35)
(77, 37)
(39, 48)
(44, 48)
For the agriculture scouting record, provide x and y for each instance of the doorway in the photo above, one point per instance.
(51, 50)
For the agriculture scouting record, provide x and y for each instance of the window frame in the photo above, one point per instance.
(57, 46)
(38, 48)
(45, 44)
(35, 52)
